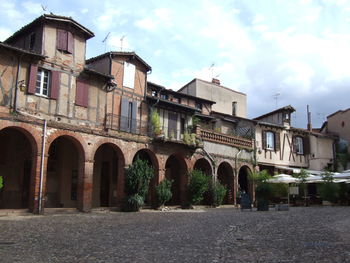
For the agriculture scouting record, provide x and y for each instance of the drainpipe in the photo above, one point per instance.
(42, 166)
(17, 80)
(236, 161)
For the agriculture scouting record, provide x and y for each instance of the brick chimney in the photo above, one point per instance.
(215, 81)
(309, 124)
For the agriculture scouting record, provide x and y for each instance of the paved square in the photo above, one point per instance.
(312, 234)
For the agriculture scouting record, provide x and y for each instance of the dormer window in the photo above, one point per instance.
(129, 75)
(65, 41)
(31, 41)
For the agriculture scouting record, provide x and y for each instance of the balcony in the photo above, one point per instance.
(125, 124)
(220, 138)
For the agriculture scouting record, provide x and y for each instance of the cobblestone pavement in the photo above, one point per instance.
(312, 234)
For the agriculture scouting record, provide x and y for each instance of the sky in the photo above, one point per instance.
(278, 52)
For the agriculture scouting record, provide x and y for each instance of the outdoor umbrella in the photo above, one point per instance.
(284, 179)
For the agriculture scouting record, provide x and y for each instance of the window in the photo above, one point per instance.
(31, 41)
(198, 105)
(65, 41)
(154, 93)
(270, 140)
(298, 145)
(234, 108)
(164, 96)
(129, 75)
(42, 82)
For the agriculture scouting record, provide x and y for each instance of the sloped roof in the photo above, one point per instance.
(285, 108)
(120, 53)
(51, 17)
(23, 51)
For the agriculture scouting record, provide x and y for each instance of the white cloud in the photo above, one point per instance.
(114, 41)
(146, 23)
(84, 11)
(33, 8)
(4, 33)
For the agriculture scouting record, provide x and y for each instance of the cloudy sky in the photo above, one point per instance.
(298, 50)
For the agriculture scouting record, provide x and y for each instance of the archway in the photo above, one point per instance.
(204, 166)
(226, 178)
(148, 156)
(176, 170)
(17, 168)
(244, 183)
(64, 173)
(108, 168)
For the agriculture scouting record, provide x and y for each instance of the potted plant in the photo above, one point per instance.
(263, 190)
(155, 121)
(163, 192)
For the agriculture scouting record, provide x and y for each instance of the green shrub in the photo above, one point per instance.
(198, 185)
(155, 121)
(264, 193)
(137, 178)
(163, 191)
(1, 182)
(187, 138)
(328, 189)
(218, 193)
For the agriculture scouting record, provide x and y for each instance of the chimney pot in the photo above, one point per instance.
(215, 81)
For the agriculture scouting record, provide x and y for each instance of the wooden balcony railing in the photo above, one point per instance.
(220, 138)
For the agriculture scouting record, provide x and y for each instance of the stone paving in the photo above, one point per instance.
(312, 234)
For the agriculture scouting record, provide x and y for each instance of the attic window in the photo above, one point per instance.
(31, 41)
(65, 41)
(129, 75)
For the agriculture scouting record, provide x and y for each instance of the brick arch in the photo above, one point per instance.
(76, 138)
(31, 134)
(226, 176)
(91, 154)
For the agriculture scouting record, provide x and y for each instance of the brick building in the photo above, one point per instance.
(69, 126)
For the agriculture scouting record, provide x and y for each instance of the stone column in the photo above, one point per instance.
(85, 186)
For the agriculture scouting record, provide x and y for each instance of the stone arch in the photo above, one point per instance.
(203, 164)
(244, 183)
(108, 175)
(225, 176)
(64, 185)
(176, 169)
(151, 158)
(18, 166)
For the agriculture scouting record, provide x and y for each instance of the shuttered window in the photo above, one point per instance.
(128, 115)
(271, 140)
(298, 145)
(65, 41)
(43, 82)
(82, 93)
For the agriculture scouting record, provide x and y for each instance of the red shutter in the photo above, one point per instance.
(32, 78)
(70, 42)
(82, 93)
(62, 39)
(55, 84)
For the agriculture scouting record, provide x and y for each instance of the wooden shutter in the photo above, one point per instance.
(70, 42)
(293, 146)
(55, 84)
(62, 39)
(82, 93)
(124, 114)
(263, 139)
(277, 141)
(134, 117)
(306, 145)
(32, 78)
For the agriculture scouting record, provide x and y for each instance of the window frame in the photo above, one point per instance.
(298, 145)
(270, 135)
(41, 83)
(129, 73)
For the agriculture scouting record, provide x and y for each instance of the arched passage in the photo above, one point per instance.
(204, 166)
(226, 178)
(65, 168)
(17, 168)
(150, 157)
(176, 170)
(244, 183)
(108, 169)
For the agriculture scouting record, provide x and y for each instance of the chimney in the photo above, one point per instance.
(309, 125)
(215, 81)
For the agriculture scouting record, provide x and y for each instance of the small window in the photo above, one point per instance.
(154, 93)
(31, 41)
(198, 105)
(164, 96)
(234, 108)
(298, 144)
(270, 140)
(342, 124)
(65, 41)
(42, 82)
(129, 75)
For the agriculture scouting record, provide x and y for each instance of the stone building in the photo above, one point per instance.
(70, 126)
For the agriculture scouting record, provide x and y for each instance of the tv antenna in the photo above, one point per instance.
(105, 40)
(121, 42)
(211, 68)
(276, 98)
(44, 7)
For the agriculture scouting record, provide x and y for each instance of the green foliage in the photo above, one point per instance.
(198, 185)
(155, 121)
(263, 193)
(328, 189)
(193, 138)
(279, 190)
(137, 178)
(187, 138)
(133, 203)
(163, 191)
(342, 155)
(302, 181)
(218, 193)
(1, 182)
(260, 177)
(195, 121)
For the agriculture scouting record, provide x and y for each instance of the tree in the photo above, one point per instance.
(302, 175)
(263, 190)
(163, 191)
(137, 178)
(328, 189)
(198, 185)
